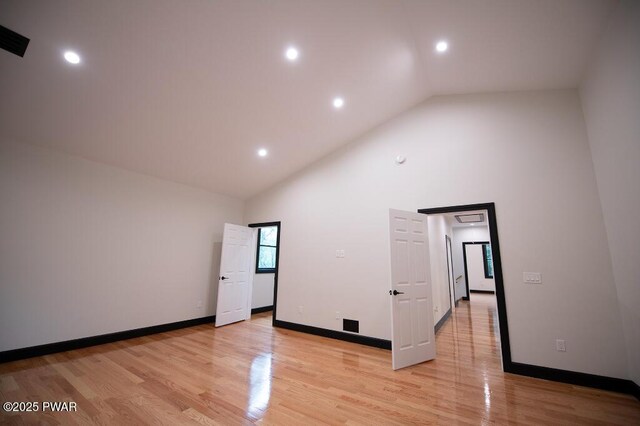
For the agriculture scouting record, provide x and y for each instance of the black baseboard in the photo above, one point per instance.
(564, 376)
(444, 319)
(575, 378)
(333, 334)
(635, 390)
(483, 291)
(68, 345)
(262, 309)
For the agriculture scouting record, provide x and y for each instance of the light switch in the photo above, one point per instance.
(532, 277)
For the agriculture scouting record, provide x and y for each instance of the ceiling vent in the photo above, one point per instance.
(470, 218)
(13, 42)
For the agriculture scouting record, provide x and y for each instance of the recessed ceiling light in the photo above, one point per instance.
(72, 57)
(292, 54)
(338, 102)
(262, 152)
(442, 46)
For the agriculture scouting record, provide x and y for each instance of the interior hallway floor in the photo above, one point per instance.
(250, 372)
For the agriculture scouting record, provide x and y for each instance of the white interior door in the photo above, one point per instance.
(236, 275)
(413, 337)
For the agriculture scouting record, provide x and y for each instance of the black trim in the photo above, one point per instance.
(275, 277)
(483, 291)
(444, 319)
(333, 334)
(501, 303)
(450, 276)
(262, 309)
(635, 390)
(575, 378)
(84, 342)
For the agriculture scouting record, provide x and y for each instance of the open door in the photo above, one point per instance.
(413, 336)
(236, 275)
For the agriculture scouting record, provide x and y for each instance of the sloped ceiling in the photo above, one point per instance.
(189, 90)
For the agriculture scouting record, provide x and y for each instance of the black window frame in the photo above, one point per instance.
(258, 245)
(485, 261)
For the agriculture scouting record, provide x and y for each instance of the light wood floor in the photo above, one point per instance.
(251, 373)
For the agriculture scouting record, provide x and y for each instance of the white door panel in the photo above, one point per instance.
(413, 337)
(236, 275)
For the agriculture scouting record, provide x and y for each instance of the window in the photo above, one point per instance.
(487, 260)
(267, 241)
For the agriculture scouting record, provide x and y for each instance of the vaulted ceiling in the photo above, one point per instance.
(189, 90)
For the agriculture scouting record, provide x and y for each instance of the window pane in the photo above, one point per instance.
(269, 236)
(488, 260)
(267, 258)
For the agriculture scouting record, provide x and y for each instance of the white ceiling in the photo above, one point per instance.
(189, 90)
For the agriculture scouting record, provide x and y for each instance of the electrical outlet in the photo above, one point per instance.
(560, 345)
(340, 253)
(300, 309)
(199, 304)
(337, 314)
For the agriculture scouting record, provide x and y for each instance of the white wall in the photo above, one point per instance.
(464, 235)
(262, 294)
(475, 269)
(88, 249)
(611, 102)
(438, 228)
(539, 173)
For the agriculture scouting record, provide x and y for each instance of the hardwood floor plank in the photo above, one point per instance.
(249, 373)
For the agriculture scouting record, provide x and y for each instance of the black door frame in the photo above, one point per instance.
(452, 285)
(464, 257)
(275, 273)
(497, 270)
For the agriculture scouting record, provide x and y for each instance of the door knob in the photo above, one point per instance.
(224, 278)
(395, 292)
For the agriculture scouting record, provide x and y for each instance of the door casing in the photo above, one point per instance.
(275, 275)
(497, 270)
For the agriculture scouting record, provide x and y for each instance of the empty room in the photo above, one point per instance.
(319, 212)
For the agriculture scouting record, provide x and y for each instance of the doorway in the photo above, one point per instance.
(478, 267)
(489, 208)
(268, 268)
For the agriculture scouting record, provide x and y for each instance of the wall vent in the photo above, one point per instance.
(351, 325)
(13, 42)
(470, 218)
